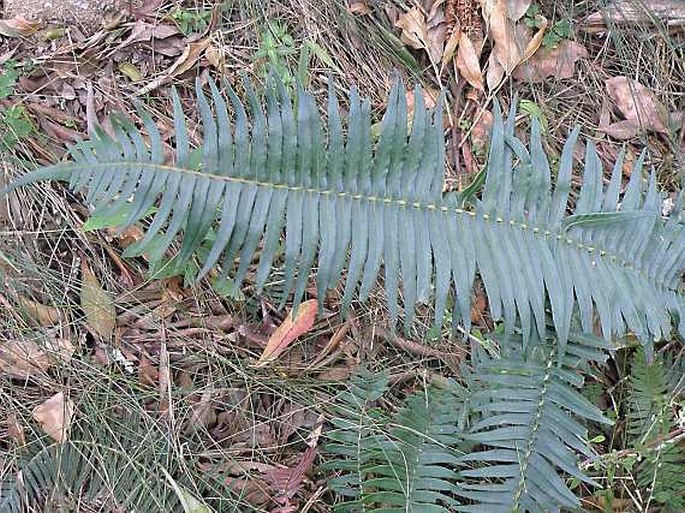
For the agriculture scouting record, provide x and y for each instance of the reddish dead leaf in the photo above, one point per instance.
(54, 416)
(18, 27)
(468, 62)
(288, 481)
(637, 103)
(559, 62)
(97, 304)
(288, 331)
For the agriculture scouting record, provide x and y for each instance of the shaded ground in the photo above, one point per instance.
(155, 366)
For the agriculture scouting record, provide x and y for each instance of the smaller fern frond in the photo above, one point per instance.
(528, 411)
(648, 415)
(408, 467)
(650, 419)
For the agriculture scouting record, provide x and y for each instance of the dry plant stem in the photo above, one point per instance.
(449, 359)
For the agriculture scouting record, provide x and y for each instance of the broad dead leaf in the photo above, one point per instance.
(358, 7)
(495, 73)
(18, 27)
(517, 8)
(15, 430)
(559, 62)
(288, 331)
(44, 315)
(424, 33)
(97, 304)
(22, 359)
(621, 130)
(54, 416)
(191, 54)
(506, 48)
(637, 103)
(468, 62)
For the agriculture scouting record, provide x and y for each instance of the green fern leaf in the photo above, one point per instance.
(410, 467)
(650, 417)
(345, 203)
(527, 419)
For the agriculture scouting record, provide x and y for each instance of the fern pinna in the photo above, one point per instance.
(347, 203)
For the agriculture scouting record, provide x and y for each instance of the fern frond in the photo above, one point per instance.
(101, 474)
(527, 419)
(408, 468)
(650, 417)
(346, 203)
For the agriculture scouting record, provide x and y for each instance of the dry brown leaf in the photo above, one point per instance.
(621, 130)
(450, 49)
(22, 359)
(54, 416)
(559, 62)
(288, 331)
(44, 315)
(358, 7)
(637, 103)
(18, 27)
(506, 45)
(468, 62)
(191, 54)
(533, 43)
(517, 8)
(495, 73)
(97, 304)
(424, 33)
(215, 56)
(15, 430)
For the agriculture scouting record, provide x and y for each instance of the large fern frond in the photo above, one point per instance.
(527, 415)
(344, 201)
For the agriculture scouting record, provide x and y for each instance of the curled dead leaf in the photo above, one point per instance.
(54, 416)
